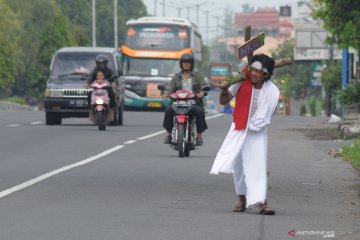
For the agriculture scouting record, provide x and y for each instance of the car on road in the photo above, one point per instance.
(66, 95)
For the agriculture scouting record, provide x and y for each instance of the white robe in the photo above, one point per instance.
(244, 152)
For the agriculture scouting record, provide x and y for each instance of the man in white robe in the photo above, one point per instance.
(244, 150)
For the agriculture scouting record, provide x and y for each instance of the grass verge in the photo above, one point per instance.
(17, 100)
(351, 153)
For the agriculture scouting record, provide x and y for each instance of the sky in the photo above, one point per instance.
(215, 9)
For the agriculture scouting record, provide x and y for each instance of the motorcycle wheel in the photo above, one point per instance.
(181, 142)
(100, 119)
(187, 144)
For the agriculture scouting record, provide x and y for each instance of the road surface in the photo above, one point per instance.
(138, 188)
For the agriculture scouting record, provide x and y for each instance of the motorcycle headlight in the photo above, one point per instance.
(99, 101)
(182, 94)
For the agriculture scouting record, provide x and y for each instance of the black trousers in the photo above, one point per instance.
(196, 111)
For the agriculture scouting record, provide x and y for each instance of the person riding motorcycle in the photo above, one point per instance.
(187, 79)
(101, 64)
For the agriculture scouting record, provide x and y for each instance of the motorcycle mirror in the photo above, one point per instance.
(161, 87)
(206, 88)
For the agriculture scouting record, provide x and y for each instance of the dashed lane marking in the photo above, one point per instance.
(77, 164)
(57, 171)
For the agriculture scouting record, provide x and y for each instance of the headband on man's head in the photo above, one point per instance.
(259, 65)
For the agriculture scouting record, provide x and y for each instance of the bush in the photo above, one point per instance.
(350, 94)
(303, 110)
(351, 153)
(17, 100)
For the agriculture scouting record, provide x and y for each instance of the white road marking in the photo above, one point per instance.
(77, 164)
(130, 142)
(214, 116)
(57, 171)
(311, 184)
(152, 135)
(36, 123)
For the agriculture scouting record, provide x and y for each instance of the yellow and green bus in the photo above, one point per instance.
(150, 56)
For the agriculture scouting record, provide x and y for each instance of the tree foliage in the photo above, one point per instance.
(31, 31)
(9, 52)
(293, 80)
(331, 77)
(342, 19)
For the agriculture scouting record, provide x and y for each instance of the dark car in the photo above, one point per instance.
(66, 95)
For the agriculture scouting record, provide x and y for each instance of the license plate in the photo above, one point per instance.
(78, 102)
(154, 104)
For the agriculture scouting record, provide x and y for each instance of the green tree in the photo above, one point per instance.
(331, 77)
(55, 36)
(342, 19)
(9, 51)
(79, 14)
(293, 80)
(34, 17)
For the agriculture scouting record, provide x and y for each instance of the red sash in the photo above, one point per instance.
(242, 103)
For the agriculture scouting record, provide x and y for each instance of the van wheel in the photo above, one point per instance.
(52, 118)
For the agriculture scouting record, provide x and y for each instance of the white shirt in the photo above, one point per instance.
(254, 97)
(187, 84)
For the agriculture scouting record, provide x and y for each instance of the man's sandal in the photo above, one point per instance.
(239, 208)
(266, 211)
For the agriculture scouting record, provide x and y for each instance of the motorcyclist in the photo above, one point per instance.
(187, 79)
(101, 64)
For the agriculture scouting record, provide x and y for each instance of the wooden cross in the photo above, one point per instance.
(252, 44)
(247, 49)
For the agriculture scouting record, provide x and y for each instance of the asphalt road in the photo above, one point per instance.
(139, 189)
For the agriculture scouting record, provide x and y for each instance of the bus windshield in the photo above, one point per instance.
(157, 37)
(150, 66)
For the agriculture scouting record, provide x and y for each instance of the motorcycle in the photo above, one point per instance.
(100, 104)
(183, 135)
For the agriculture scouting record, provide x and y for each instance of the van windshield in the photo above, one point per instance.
(77, 63)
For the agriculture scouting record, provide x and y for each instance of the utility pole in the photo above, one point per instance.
(207, 23)
(163, 8)
(115, 25)
(207, 27)
(155, 4)
(188, 13)
(93, 23)
(217, 25)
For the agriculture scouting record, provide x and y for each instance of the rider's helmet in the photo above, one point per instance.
(187, 57)
(101, 59)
